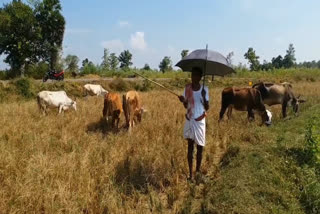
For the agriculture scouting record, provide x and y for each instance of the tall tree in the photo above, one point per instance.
(229, 57)
(125, 58)
(105, 60)
(113, 61)
(146, 67)
(165, 64)
(289, 59)
(184, 53)
(52, 24)
(253, 59)
(19, 34)
(72, 63)
(277, 62)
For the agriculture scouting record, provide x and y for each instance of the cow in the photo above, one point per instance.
(274, 94)
(94, 90)
(132, 108)
(55, 99)
(112, 107)
(243, 99)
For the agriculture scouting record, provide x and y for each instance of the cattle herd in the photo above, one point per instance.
(113, 105)
(242, 99)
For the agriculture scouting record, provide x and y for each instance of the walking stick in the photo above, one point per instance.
(158, 84)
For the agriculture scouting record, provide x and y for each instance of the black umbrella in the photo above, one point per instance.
(211, 62)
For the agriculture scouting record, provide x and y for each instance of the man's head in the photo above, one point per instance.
(196, 74)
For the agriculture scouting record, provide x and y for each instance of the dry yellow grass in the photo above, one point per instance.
(72, 163)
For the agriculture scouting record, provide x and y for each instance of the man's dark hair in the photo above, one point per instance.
(196, 70)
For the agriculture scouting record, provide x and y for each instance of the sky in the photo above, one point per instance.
(151, 30)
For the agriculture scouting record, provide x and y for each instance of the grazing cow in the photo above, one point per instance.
(94, 90)
(55, 99)
(243, 99)
(112, 107)
(132, 108)
(273, 94)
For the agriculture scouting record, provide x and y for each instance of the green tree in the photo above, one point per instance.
(289, 59)
(184, 53)
(165, 64)
(146, 67)
(19, 35)
(52, 24)
(72, 63)
(105, 60)
(277, 62)
(266, 66)
(253, 59)
(113, 61)
(85, 62)
(125, 58)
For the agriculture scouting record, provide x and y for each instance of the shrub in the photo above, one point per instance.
(119, 84)
(23, 86)
(313, 139)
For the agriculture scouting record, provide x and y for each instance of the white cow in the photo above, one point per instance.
(95, 90)
(55, 99)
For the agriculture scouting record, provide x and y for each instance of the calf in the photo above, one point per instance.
(55, 99)
(94, 90)
(112, 107)
(132, 108)
(243, 99)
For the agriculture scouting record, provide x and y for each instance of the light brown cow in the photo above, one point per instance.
(112, 107)
(273, 94)
(243, 99)
(132, 108)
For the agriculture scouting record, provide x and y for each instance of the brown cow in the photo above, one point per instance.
(132, 108)
(243, 99)
(112, 107)
(273, 94)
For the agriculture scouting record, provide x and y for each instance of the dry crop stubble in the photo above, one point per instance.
(74, 163)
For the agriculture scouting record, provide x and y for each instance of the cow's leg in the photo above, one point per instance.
(229, 112)
(250, 115)
(60, 109)
(190, 156)
(284, 109)
(222, 111)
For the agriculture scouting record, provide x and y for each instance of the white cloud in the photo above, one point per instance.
(137, 41)
(115, 45)
(123, 24)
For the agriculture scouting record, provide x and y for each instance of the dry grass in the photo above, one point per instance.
(73, 163)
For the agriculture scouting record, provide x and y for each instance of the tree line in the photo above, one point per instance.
(31, 36)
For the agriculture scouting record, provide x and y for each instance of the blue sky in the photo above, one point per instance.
(154, 29)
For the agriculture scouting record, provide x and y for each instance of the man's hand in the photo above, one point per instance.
(181, 98)
(184, 101)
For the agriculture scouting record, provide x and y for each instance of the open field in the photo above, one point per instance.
(73, 163)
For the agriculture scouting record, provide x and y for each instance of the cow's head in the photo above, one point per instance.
(295, 102)
(74, 105)
(265, 116)
(140, 112)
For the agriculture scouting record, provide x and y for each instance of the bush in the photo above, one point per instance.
(313, 139)
(23, 86)
(119, 84)
(37, 71)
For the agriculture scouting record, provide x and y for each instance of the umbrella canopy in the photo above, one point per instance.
(216, 64)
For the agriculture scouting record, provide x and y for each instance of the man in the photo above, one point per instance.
(196, 100)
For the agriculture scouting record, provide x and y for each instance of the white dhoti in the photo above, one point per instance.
(196, 131)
